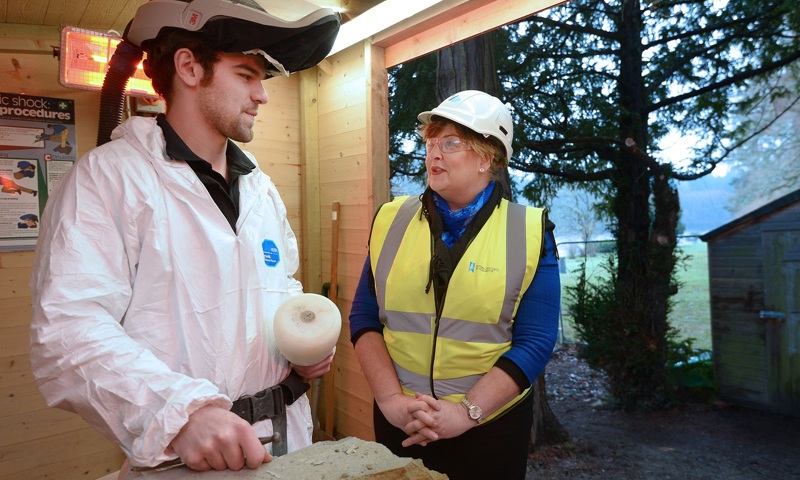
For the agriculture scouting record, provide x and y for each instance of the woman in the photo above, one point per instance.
(456, 312)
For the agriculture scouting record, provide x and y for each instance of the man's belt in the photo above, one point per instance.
(271, 403)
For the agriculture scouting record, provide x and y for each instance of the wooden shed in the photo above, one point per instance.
(754, 283)
(323, 138)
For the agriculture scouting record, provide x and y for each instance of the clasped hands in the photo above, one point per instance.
(425, 419)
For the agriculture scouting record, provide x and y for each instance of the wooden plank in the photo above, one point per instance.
(20, 458)
(354, 238)
(474, 22)
(378, 119)
(738, 349)
(743, 394)
(276, 140)
(735, 286)
(346, 144)
(28, 43)
(29, 12)
(285, 174)
(14, 370)
(356, 421)
(329, 378)
(106, 15)
(341, 121)
(736, 271)
(20, 398)
(15, 276)
(346, 66)
(748, 380)
(14, 282)
(84, 467)
(64, 12)
(350, 94)
(733, 289)
(38, 424)
(736, 334)
(351, 168)
(267, 130)
(743, 250)
(787, 225)
(344, 191)
(741, 360)
(14, 340)
(732, 261)
(310, 180)
(16, 259)
(16, 311)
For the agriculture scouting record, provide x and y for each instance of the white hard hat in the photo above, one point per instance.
(479, 112)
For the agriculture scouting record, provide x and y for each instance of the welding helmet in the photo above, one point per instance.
(479, 112)
(291, 34)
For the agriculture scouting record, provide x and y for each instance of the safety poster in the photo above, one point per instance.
(37, 146)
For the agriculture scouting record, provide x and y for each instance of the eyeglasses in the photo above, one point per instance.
(448, 144)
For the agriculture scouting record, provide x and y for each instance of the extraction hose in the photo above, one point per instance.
(121, 68)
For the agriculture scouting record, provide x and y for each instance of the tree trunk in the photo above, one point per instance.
(546, 429)
(469, 65)
(645, 236)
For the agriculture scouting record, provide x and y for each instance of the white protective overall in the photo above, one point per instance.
(147, 306)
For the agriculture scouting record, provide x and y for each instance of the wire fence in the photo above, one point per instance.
(690, 314)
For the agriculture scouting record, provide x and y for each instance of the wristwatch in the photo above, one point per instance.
(473, 410)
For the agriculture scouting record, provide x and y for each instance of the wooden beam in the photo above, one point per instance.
(378, 124)
(32, 39)
(452, 23)
(311, 252)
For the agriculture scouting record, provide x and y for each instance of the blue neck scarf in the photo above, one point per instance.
(455, 222)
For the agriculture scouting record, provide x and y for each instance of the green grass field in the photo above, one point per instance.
(690, 315)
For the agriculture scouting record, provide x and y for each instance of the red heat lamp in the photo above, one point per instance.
(84, 58)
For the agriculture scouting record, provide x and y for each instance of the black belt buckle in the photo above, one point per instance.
(267, 403)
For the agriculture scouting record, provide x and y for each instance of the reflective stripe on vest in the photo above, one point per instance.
(475, 330)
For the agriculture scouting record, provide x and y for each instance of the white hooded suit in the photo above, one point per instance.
(147, 306)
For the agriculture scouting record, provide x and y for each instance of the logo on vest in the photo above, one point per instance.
(272, 256)
(473, 267)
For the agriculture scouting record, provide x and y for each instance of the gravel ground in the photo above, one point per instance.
(695, 441)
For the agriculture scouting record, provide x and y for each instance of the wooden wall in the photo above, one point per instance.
(353, 166)
(37, 441)
(755, 267)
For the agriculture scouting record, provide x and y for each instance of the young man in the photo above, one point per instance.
(152, 298)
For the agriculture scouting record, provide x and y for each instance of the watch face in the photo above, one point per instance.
(475, 412)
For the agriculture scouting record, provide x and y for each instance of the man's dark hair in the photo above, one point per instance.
(159, 64)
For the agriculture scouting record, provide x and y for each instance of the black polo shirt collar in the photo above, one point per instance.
(225, 194)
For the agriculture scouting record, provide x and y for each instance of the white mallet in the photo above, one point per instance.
(306, 328)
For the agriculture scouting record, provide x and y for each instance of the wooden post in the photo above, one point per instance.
(333, 291)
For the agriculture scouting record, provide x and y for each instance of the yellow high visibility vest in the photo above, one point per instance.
(445, 357)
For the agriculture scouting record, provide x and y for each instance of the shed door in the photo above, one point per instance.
(782, 296)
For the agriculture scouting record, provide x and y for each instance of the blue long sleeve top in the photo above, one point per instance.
(535, 325)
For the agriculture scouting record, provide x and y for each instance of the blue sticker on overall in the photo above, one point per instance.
(271, 254)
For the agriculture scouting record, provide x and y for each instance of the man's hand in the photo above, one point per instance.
(215, 438)
(318, 370)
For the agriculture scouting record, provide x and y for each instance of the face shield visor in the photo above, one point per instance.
(291, 35)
